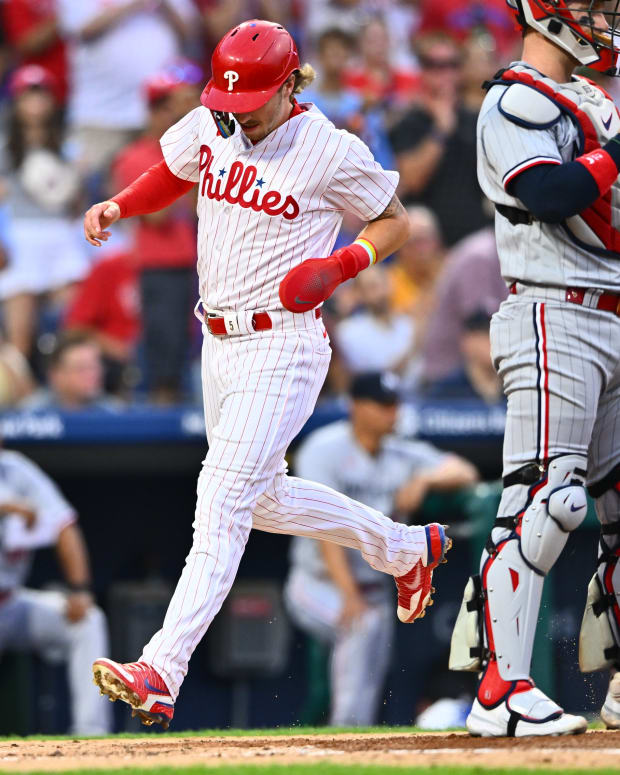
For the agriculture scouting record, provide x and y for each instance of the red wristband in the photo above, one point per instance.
(602, 168)
(157, 188)
(352, 259)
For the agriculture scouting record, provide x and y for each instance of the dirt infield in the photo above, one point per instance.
(593, 750)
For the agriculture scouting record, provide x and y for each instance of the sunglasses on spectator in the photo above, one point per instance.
(429, 63)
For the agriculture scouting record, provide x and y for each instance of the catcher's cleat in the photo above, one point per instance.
(137, 684)
(517, 709)
(610, 712)
(414, 588)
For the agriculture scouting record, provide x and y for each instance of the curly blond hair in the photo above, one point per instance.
(303, 78)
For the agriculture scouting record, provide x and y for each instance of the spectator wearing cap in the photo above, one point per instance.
(435, 143)
(469, 281)
(46, 255)
(74, 377)
(31, 28)
(375, 338)
(107, 307)
(331, 594)
(165, 250)
(114, 47)
(477, 377)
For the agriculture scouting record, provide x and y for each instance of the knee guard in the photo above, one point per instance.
(599, 638)
(498, 616)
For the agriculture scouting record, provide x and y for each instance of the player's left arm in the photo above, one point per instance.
(389, 231)
(314, 280)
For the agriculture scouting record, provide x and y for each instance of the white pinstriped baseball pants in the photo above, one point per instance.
(259, 390)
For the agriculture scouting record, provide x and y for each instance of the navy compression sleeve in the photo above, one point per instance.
(554, 192)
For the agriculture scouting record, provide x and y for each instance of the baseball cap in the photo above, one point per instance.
(30, 76)
(375, 386)
(182, 72)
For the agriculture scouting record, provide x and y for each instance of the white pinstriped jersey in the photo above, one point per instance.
(543, 253)
(265, 208)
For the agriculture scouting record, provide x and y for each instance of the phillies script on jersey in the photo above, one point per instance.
(220, 188)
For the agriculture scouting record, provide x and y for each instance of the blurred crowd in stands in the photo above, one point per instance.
(86, 89)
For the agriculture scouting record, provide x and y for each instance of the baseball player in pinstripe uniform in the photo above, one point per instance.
(549, 155)
(274, 178)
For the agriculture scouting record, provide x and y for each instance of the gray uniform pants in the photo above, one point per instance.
(360, 654)
(32, 620)
(560, 366)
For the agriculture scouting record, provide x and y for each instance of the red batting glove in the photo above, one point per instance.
(315, 279)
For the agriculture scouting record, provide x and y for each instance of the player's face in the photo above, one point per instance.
(262, 121)
(374, 417)
(588, 14)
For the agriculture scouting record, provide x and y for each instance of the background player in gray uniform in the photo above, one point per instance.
(331, 592)
(34, 514)
(548, 156)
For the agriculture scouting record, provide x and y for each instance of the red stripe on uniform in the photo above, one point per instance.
(543, 331)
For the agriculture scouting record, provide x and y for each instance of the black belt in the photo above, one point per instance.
(515, 215)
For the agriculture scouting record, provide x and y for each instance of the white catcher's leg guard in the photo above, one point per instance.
(519, 554)
(599, 639)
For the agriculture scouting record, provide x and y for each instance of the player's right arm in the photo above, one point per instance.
(159, 186)
(154, 190)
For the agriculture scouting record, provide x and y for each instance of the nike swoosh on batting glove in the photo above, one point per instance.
(315, 279)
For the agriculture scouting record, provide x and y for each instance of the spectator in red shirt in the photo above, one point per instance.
(165, 250)
(31, 28)
(107, 306)
(462, 17)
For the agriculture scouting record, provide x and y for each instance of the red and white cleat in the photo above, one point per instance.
(137, 684)
(414, 588)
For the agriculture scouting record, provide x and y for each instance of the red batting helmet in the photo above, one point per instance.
(574, 30)
(248, 67)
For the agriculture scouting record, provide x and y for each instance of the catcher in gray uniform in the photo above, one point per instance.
(548, 157)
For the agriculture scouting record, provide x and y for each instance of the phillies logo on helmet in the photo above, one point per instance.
(232, 77)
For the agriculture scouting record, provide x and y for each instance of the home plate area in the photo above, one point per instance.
(594, 750)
